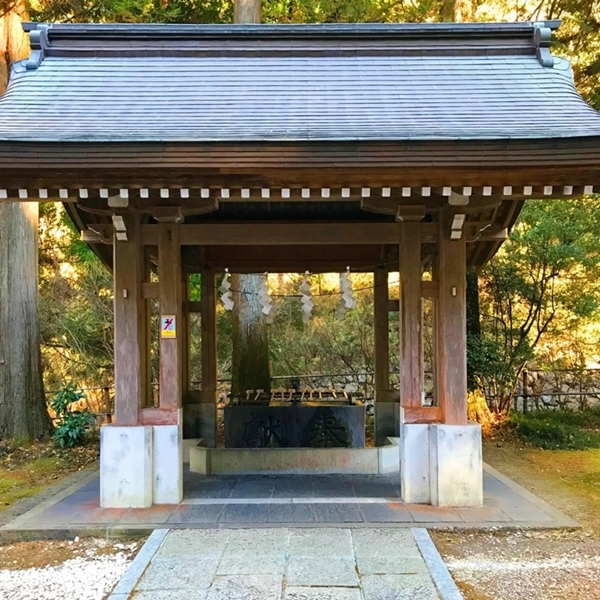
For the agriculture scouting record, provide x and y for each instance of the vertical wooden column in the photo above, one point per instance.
(452, 328)
(209, 336)
(382, 346)
(185, 335)
(130, 325)
(410, 311)
(169, 280)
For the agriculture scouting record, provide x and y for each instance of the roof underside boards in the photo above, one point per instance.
(130, 84)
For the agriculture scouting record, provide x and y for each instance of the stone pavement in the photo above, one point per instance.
(289, 500)
(287, 564)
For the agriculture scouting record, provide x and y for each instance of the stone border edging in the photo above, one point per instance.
(82, 478)
(447, 589)
(562, 519)
(136, 569)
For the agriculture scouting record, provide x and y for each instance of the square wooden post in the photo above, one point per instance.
(208, 324)
(169, 281)
(452, 328)
(386, 405)
(209, 336)
(130, 325)
(185, 336)
(410, 310)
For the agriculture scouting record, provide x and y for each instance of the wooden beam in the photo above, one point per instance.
(169, 281)
(452, 330)
(429, 289)
(289, 234)
(381, 334)
(410, 313)
(150, 290)
(160, 416)
(422, 414)
(130, 338)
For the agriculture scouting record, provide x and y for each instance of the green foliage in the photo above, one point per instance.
(544, 280)
(71, 425)
(558, 430)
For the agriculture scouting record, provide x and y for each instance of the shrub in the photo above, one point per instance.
(71, 425)
(554, 430)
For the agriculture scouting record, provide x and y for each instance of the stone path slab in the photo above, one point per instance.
(287, 564)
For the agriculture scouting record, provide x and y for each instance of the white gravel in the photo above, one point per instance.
(89, 577)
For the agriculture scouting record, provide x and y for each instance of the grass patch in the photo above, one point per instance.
(558, 429)
(26, 471)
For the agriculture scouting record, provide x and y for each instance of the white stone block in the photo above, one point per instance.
(125, 466)
(389, 456)
(199, 460)
(415, 463)
(187, 445)
(168, 464)
(456, 466)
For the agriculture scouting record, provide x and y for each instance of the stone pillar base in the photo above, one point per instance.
(441, 464)
(168, 464)
(126, 466)
(140, 465)
(456, 465)
(387, 421)
(200, 421)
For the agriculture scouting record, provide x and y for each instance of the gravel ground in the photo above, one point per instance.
(74, 570)
(532, 565)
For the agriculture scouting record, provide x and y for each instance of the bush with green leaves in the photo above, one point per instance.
(558, 429)
(71, 425)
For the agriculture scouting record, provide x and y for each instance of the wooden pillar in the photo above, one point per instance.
(130, 325)
(185, 336)
(381, 333)
(208, 326)
(410, 311)
(452, 328)
(169, 281)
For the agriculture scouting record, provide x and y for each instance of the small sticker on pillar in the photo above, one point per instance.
(168, 326)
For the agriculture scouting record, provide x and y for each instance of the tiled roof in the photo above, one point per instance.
(309, 83)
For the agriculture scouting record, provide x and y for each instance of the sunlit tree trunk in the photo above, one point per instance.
(23, 414)
(250, 360)
(459, 11)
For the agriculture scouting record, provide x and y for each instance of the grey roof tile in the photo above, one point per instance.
(130, 96)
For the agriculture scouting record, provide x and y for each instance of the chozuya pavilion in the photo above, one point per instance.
(192, 149)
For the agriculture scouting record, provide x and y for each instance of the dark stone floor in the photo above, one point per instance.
(292, 500)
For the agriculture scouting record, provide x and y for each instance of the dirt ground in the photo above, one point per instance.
(26, 471)
(534, 565)
(49, 553)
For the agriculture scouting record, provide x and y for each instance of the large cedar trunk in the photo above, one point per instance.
(23, 413)
(250, 360)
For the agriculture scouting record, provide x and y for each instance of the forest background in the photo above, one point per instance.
(535, 305)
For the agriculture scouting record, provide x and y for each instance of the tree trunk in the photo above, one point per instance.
(23, 413)
(459, 11)
(250, 360)
(247, 11)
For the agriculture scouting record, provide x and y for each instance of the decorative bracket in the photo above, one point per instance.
(542, 38)
(410, 212)
(38, 40)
